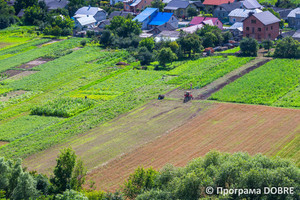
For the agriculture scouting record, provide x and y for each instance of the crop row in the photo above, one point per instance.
(32, 54)
(265, 85)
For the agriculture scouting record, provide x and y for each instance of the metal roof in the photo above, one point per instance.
(237, 25)
(266, 17)
(242, 12)
(251, 4)
(293, 12)
(297, 35)
(87, 10)
(192, 29)
(161, 18)
(231, 6)
(86, 20)
(135, 3)
(145, 14)
(175, 4)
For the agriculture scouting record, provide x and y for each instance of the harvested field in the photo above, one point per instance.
(11, 95)
(4, 44)
(51, 42)
(11, 72)
(3, 143)
(22, 74)
(224, 127)
(122, 134)
(35, 63)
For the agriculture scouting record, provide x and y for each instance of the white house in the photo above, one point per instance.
(88, 16)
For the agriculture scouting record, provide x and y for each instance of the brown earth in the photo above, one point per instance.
(35, 63)
(22, 74)
(11, 95)
(50, 42)
(3, 143)
(224, 127)
(4, 44)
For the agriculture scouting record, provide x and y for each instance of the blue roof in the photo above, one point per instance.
(161, 18)
(145, 14)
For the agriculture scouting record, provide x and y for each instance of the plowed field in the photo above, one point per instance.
(224, 127)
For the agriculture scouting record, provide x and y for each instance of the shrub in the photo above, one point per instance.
(249, 47)
(83, 43)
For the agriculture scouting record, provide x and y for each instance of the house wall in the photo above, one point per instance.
(181, 12)
(220, 13)
(294, 22)
(100, 15)
(173, 21)
(232, 20)
(258, 30)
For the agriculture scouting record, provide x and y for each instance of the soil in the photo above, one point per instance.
(22, 74)
(35, 63)
(224, 127)
(51, 42)
(3, 143)
(12, 94)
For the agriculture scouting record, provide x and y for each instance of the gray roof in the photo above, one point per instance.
(266, 17)
(21, 13)
(297, 35)
(88, 11)
(136, 3)
(287, 34)
(169, 34)
(175, 4)
(198, 4)
(251, 4)
(119, 13)
(53, 5)
(293, 12)
(242, 12)
(237, 25)
(86, 20)
(166, 27)
(231, 6)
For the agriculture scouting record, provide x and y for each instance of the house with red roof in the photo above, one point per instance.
(212, 21)
(212, 4)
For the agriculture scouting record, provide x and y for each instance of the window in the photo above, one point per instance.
(234, 19)
(259, 29)
(267, 28)
(271, 27)
(252, 29)
(247, 28)
(269, 35)
(253, 21)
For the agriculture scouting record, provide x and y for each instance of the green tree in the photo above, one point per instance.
(6, 9)
(249, 47)
(78, 176)
(227, 36)
(124, 27)
(34, 15)
(23, 4)
(287, 48)
(174, 46)
(145, 56)
(65, 164)
(158, 4)
(71, 195)
(192, 12)
(267, 44)
(26, 187)
(166, 55)
(142, 179)
(190, 43)
(148, 43)
(106, 38)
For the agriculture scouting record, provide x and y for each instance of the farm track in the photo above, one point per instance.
(225, 127)
(208, 90)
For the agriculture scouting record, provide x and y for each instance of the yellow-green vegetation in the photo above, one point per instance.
(274, 84)
(291, 150)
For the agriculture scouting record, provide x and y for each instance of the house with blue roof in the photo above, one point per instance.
(151, 18)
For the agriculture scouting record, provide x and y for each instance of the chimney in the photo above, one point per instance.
(89, 7)
(250, 14)
(228, 2)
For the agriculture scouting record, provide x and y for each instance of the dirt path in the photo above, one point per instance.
(121, 135)
(224, 127)
(208, 90)
(50, 42)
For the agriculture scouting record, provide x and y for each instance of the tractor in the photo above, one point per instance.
(187, 96)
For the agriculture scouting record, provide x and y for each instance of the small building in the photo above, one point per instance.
(221, 12)
(296, 35)
(192, 29)
(151, 18)
(236, 30)
(251, 4)
(165, 27)
(211, 5)
(55, 4)
(146, 16)
(120, 13)
(136, 6)
(212, 21)
(179, 8)
(261, 26)
(283, 12)
(85, 22)
(103, 23)
(238, 15)
(88, 11)
(294, 18)
(167, 35)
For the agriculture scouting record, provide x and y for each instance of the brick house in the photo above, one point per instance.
(261, 26)
(136, 6)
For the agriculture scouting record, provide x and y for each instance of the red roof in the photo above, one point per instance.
(216, 2)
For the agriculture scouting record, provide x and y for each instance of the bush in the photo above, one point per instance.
(287, 48)
(83, 43)
(63, 107)
(249, 47)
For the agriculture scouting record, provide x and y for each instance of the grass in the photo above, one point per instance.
(63, 107)
(272, 84)
(233, 50)
(24, 126)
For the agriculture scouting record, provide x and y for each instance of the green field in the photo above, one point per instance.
(275, 83)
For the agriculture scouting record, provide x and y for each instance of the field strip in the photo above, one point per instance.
(122, 134)
(205, 92)
(3, 143)
(225, 127)
(50, 42)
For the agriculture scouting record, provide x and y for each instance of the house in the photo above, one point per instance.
(283, 12)
(261, 26)
(146, 16)
(98, 13)
(151, 18)
(236, 30)
(179, 8)
(103, 23)
(136, 6)
(167, 35)
(192, 29)
(55, 4)
(294, 18)
(238, 15)
(85, 22)
(164, 27)
(120, 13)
(162, 18)
(251, 4)
(212, 4)
(221, 12)
(212, 21)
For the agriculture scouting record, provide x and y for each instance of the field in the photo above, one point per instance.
(275, 83)
(56, 93)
